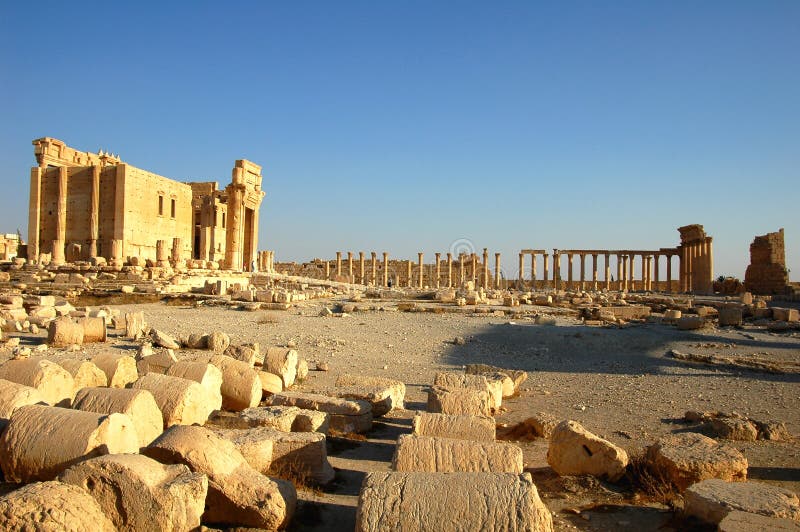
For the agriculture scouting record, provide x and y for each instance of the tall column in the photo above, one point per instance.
(657, 257)
(644, 272)
(569, 271)
(669, 272)
(338, 263)
(608, 271)
(61, 217)
(533, 270)
(461, 258)
(620, 265)
(625, 272)
(475, 268)
(449, 270)
(94, 212)
(583, 270)
(328, 270)
(385, 269)
(177, 250)
(521, 276)
(631, 274)
(349, 266)
(438, 269)
(682, 260)
(374, 257)
(421, 273)
(546, 272)
(497, 270)
(161, 254)
(689, 268)
(594, 271)
(361, 267)
(710, 262)
(233, 229)
(34, 214)
(408, 274)
(485, 268)
(556, 270)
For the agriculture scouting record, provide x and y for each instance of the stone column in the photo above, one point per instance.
(583, 270)
(620, 265)
(94, 212)
(374, 257)
(556, 270)
(34, 214)
(233, 230)
(461, 258)
(161, 254)
(710, 262)
(497, 270)
(385, 269)
(408, 272)
(177, 250)
(608, 271)
(350, 267)
(421, 274)
(631, 274)
(438, 270)
(475, 268)
(328, 270)
(485, 268)
(61, 218)
(338, 263)
(657, 257)
(117, 258)
(689, 268)
(449, 270)
(682, 260)
(533, 270)
(569, 272)
(361, 267)
(594, 271)
(644, 272)
(546, 272)
(624, 272)
(521, 271)
(669, 272)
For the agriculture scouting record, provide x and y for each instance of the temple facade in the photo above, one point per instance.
(84, 206)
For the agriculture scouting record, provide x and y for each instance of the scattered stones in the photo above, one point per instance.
(181, 401)
(690, 323)
(164, 340)
(218, 342)
(539, 426)
(119, 368)
(55, 385)
(345, 415)
(135, 326)
(138, 405)
(282, 362)
(84, 373)
(734, 428)
(382, 393)
(738, 521)
(575, 451)
(241, 386)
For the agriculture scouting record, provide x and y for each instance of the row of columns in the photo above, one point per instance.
(697, 266)
(266, 261)
(625, 273)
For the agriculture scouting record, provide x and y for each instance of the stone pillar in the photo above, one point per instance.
(485, 268)
(449, 270)
(608, 271)
(374, 257)
(689, 268)
(461, 258)
(61, 217)
(421, 268)
(583, 271)
(521, 271)
(117, 258)
(533, 270)
(556, 270)
(350, 267)
(438, 270)
(34, 214)
(475, 268)
(338, 264)
(177, 249)
(497, 270)
(94, 212)
(620, 264)
(631, 274)
(710, 262)
(385, 269)
(644, 272)
(161, 254)
(594, 271)
(361, 267)
(569, 272)
(408, 273)
(233, 230)
(328, 270)
(669, 272)
(657, 257)
(624, 272)
(546, 272)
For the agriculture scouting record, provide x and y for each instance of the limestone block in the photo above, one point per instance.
(690, 323)
(51, 507)
(282, 362)
(283, 418)
(135, 325)
(785, 314)
(446, 455)
(237, 493)
(162, 339)
(465, 427)
(255, 444)
(573, 450)
(241, 386)
(672, 315)
(453, 501)
(158, 362)
(14, 395)
(738, 521)
(84, 373)
(690, 457)
(459, 401)
(300, 453)
(181, 401)
(248, 353)
(494, 386)
(197, 341)
(139, 405)
(382, 393)
(208, 375)
(63, 332)
(730, 316)
(711, 500)
(41, 441)
(270, 383)
(540, 425)
(517, 377)
(120, 369)
(734, 428)
(54, 383)
(94, 330)
(218, 341)
(302, 369)
(345, 415)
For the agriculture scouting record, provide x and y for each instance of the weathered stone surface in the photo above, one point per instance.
(346, 415)
(237, 493)
(730, 316)
(446, 455)
(382, 393)
(241, 386)
(465, 427)
(302, 369)
(515, 376)
(135, 325)
(181, 401)
(672, 315)
(158, 362)
(738, 521)
(270, 383)
(138, 493)
(84, 373)
(64, 332)
(119, 368)
(453, 501)
(283, 418)
(218, 341)
(773, 430)
(282, 362)
(734, 428)
(540, 425)
(197, 341)
(94, 330)
(690, 457)
(54, 383)
(452, 380)
(138, 405)
(41, 441)
(162, 339)
(52, 507)
(459, 401)
(785, 314)
(14, 395)
(711, 500)
(690, 323)
(208, 375)
(573, 450)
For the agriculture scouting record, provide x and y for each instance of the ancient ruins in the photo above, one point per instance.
(159, 371)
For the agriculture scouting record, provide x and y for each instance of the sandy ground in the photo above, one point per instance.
(617, 382)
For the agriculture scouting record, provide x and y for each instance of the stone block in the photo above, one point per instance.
(459, 401)
(713, 499)
(446, 455)
(52, 506)
(345, 415)
(466, 427)
(573, 450)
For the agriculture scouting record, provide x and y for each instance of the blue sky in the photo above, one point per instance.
(404, 126)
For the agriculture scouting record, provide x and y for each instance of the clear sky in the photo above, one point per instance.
(404, 126)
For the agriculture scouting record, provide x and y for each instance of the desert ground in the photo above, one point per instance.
(617, 381)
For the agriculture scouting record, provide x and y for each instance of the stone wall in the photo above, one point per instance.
(767, 272)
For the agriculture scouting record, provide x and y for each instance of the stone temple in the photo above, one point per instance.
(89, 207)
